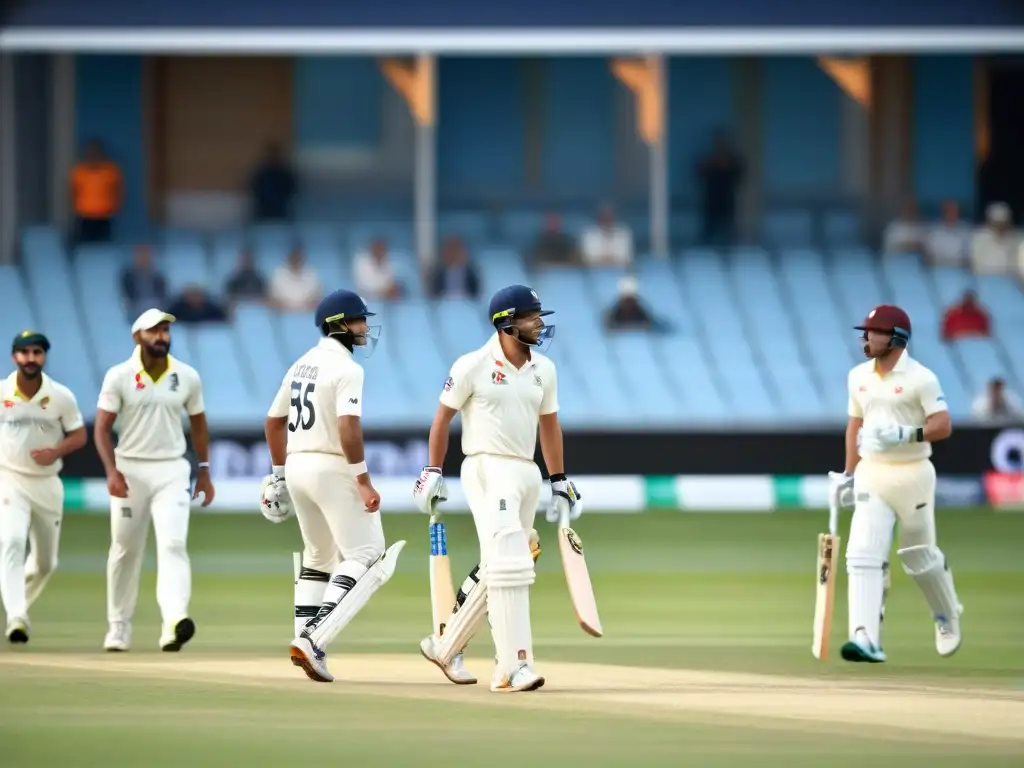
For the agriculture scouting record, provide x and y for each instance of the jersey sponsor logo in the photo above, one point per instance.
(354, 400)
(898, 390)
(448, 384)
(138, 381)
(174, 382)
(8, 403)
(126, 512)
(537, 380)
(44, 402)
(497, 377)
(862, 388)
(502, 505)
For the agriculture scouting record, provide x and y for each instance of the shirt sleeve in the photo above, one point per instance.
(348, 393)
(932, 399)
(549, 403)
(194, 403)
(853, 409)
(458, 386)
(70, 416)
(282, 400)
(110, 396)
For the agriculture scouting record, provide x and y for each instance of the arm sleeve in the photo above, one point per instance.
(282, 401)
(932, 399)
(70, 416)
(194, 404)
(348, 393)
(853, 409)
(110, 397)
(458, 386)
(549, 404)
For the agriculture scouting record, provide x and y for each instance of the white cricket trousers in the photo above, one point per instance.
(502, 492)
(332, 517)
(31, 508)
(889, 492)
(161, 491)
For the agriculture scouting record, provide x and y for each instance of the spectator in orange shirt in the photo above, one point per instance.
(96, 194)
(965, 319)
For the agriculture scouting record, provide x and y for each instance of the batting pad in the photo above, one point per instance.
(465, 622)
(926, 565)
(375, 577)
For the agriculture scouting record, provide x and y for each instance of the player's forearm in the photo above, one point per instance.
(350, 432)
(937, 427)
(200, 438)
(852, 455)
(104, 446)
(276, 431)
(551, 445)
(72, 442)
(437, 443)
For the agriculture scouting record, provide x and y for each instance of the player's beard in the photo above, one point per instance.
(30, 370)
(158, 349)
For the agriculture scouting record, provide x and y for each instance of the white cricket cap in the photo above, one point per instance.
(150, 319)
(629, 286)
(998, 213)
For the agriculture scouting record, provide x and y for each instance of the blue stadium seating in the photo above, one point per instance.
(751, 336)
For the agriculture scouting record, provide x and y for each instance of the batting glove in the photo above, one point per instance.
(565, 500)
(883, 438)
(429, 490)
(275, 501)
(840, 489)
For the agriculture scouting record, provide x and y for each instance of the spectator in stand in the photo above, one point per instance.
(455, 277)
(553, 247)
(949, 242)
(96, 195)
(272, 187)
(374, 274)
(966, 319)
(195, 307)
(997, 405)
(904, 234)
(994, 246)
(246, 283)
(142, 285)
(720, 173)
(628, 313)
(607, 243)
(295, 286)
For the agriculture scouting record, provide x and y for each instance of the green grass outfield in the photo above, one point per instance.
(706, 658)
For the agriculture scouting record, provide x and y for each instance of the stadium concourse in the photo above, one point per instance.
(755, 335)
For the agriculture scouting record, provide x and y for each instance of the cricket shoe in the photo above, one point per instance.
(17, 631)
(860, 648)
(947, 634)
(522, 678)
(182, 632)
(119, 637)
(455, 671)
(311, 659)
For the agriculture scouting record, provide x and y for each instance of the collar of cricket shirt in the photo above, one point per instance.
(336, 347)
(140, 369)
(494, 346)
(12, 380)
(901, 363)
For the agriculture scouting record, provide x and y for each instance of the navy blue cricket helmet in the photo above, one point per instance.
(516, 300)
(336, 309)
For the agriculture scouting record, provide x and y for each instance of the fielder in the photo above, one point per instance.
(39, 425)
(314, 432)
(900, 406)
(504, 390)
(148, 477)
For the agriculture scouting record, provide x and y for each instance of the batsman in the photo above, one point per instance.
(505, 390)
(897, 410)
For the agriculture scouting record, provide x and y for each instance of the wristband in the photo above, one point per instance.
(278, 470)
(204, 465)
(558, 478)
(358, 469)
(919, 435)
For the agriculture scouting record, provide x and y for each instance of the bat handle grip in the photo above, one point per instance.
(833, 518)
(563, 518)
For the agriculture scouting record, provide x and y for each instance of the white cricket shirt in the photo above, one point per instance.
(149, 425)
(500, 405)
(906, 396)
(322, 385)
(40, 422)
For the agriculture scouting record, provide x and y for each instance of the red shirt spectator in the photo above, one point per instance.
(966, 319)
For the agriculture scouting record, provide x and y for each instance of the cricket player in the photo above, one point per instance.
(148, 477)
(39, 425)
(315, 436)
(504, 390)
(899, 405)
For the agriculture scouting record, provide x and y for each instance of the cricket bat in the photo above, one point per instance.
(577, 577)
(825, 577)
(442, 594)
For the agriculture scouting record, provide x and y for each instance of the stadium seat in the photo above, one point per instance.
(982, 361)
(229, 386)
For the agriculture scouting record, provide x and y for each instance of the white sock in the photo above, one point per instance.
(865, 600)
(509, 613)
(309, 594)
